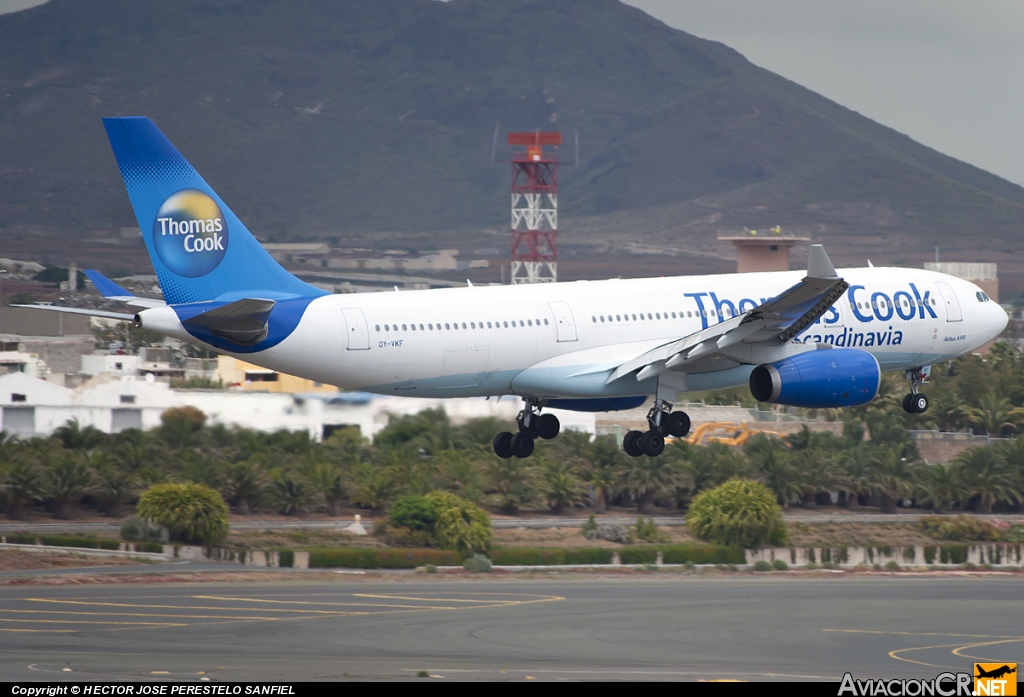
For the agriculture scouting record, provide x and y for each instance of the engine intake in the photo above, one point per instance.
(822, 379)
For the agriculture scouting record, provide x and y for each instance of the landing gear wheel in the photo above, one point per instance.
(521, 445)
(547, 426)
(631, 443)
(652, 443)
(907, 406)
(676, 424)
(503, 445)
(919, 403)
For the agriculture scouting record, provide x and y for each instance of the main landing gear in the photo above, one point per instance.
(662, 421)
(532, 425)
(916, 402)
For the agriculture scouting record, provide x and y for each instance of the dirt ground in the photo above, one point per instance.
(16, 560)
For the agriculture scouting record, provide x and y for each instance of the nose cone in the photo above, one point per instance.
(999, 319)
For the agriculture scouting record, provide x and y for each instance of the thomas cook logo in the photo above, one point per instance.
(190, 233)
(995, 679)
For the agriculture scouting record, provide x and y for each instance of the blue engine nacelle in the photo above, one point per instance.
(822, 379)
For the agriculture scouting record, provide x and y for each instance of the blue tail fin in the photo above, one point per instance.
(199, 248)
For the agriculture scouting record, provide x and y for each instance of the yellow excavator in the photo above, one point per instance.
(727, 432)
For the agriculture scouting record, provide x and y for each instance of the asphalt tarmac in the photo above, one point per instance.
(657, 627)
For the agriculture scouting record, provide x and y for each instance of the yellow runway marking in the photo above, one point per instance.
(307, 602)
(152, 624)
(47, 631)
(957, 649)
(193, 607)
(137, 614)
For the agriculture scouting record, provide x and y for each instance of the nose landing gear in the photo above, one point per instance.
(662, 421)
(532, 425)
(916, 402)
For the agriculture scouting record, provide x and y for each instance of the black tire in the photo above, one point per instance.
(503, 445)
(652, 443)
(631, 443)
(522, 445)
(676, 424)
(532, 431)
(548, 426)
(919, 403)
(907, 406)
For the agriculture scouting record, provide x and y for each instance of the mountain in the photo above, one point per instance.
(325, 118)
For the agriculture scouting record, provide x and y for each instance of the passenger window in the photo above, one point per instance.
(386, 328)
(593, 319)
(447, 326)
(463, 325)
(413, 327)
(650, 316)
(673, 315)
(506, 325)
(488, 325)
(545, 323)
(521, 323)
(404, 328)
(377, 327)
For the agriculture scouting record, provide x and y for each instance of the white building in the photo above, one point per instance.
(32, 407)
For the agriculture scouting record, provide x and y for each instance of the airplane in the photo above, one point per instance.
(815, 339)
(995, 672)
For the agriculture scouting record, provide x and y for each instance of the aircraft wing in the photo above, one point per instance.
(758, 336)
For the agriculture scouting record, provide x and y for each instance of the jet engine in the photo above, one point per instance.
(823, 379)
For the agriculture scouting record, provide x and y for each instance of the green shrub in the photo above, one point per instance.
(762, 565)
(639, 555)
(22, 539)
(477, 564)
(739, 513)
(690, 566)
(151, 547)
(430, 569)
(953, 554)
(812, 565)
(286, 558)
(533, 556)
(70, 541)
(192, 513)
(703, 554)
(963, 528)
(780, 565)
(892, 566)
(461, 526)
(413, 512)
(647, 532)
(108, 544)
(135, 529)
(385, 558)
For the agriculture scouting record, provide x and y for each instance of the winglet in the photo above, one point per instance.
(819, 265)
(106, 287)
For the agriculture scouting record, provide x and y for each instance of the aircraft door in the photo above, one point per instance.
(953, 311)
(357, 334)
(564, 322)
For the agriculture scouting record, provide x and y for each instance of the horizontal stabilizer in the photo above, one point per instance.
(80, 311)
(111, 291)
(243, 321)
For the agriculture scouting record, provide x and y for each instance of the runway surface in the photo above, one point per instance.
(550, 628)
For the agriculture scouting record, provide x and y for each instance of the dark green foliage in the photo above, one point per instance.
(646, 531)
(22, 539)
(702, 554)
(477, 564)
(286, 558)
(762, 565)
(953, 554)
(352, 558)
(413, 512)
(152, 547)
(639, 555)
(780, 565)
(135, 529)
(533, 556)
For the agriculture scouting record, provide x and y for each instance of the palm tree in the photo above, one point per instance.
(815, 475)
(242, 484)
(461, 473)
(938, 485)
(22, 483)
(777, 471)
(64, 482)
(855, 475)
(596, 460)
(74, 437)
(375, 487)
(114, 487)
(510, 481)
(891, 476)
(986, 477)
(560, 486)
(947, 412)
(328, 483)
(202, 468)
(289, 493)
(647, 478)
(996, 416)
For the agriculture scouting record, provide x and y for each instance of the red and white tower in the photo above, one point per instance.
(534, 208)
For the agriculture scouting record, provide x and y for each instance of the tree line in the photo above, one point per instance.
(873, 463)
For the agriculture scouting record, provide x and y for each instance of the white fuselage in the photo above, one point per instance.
(561, 340)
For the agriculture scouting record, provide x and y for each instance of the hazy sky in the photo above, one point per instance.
(948, 73)
(945, 72)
